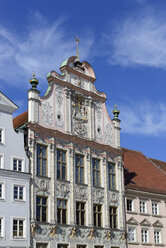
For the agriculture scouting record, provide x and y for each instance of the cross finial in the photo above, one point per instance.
(77, 54)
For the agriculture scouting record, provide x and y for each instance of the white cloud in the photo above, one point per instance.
(139, 39)
(143, 118)
(41, 47)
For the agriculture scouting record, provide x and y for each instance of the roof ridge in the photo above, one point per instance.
(158, 167)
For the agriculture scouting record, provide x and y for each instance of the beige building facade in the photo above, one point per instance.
(77, 188)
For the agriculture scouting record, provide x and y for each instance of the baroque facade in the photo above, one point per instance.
(145, 182)
(77, 189)
(14, 181)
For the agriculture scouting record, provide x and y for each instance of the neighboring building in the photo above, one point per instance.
(145, 182)
(77, 191)
(14, 181)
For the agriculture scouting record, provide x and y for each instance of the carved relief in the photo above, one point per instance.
(98, 109)
(47, 113)
(42, 185)
(108, 134)
(59, 120)
(53, 231)
(81, 192)
(73, 232)
(99, 132)
(59, 101)
(79, 82)
(98, 195)
(59, 95)
(79, 115)
(62, 189)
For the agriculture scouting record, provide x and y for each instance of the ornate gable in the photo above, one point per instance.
(157, 224)
(145, 222)
(132, 221)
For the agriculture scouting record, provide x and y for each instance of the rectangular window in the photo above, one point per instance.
(18, 192)
(129, 205)
(113, 217)
(155, 208)
(111, 176)
(81, 246)
(17, 164)
(96, 172)
(1, 227)
(41, 160)
(80, 213)
(61, 164)
(18, 228)
(131, 234)
(0, 135)
(144, 234)
(97, 214)
(41, 209)
(1, 161)
(157, 237)
(61, 211)
(41, 245)
(79, 164)
(62, 245)
(142, 207)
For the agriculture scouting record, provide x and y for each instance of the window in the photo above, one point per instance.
(18, 192)
(41, 245)
(61, 164)
(0, 190)
(62, 245)
(80, 213)
(131, 234)
(129, 205)
(41, 208)
(96, 172)
(142, 207)
(1, 227)
(1, 161)
(61, 211)
(1, 136)
(157, 237)
(79, 163)
(113, 217)
(155, 208)
(97, 213)
(144, 234)
(18, 228)
(81, 246)
(111, 176)
(17, 164)
(41, 160)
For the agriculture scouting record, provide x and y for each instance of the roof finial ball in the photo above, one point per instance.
(34, 82)
(116, 112)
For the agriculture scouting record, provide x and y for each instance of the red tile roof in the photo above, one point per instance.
(142, 173)
(20, 120)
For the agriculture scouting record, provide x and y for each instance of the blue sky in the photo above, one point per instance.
(123, 40)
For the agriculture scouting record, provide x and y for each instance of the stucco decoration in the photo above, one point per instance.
(53, 231)
(79, 82)
(113, 197)
(47, 113)
(42, 185)
(98, 110)
(98, 195)
(79, 112)
(59, 120)
(59, 95)
(108, 134)
(81, 192)
(62, 189)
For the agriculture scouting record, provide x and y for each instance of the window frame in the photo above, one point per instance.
(61, 163)
(18, 198)
(2, 227)
(143, 209)
(18, 228)
(78, 167)
(79, 212)
(154, 212)
(43, 213)
(97, 215)
(96, 172)
(40, 158)
(111, 175)
(134, 233)
(61, 211)
(132, 205)
(159, 231)
(145, 236)
(113, 217)
(2, 195)
(2, 136)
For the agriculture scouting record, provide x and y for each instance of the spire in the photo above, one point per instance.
(77, 53)
(116, 112)
(34, 82)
